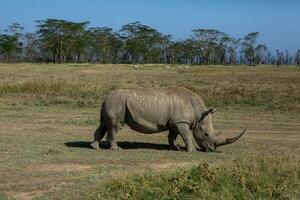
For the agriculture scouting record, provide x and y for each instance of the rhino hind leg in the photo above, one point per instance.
(98, 135)
(111, 138)
(172, 138)
(184, 132)
(113, 129)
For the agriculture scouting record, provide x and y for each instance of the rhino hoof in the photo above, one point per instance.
(95, 145)
(115, 148)
(174, 148)
(192, 150)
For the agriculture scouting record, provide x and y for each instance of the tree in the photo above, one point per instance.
(11, 42)
(252, 53)
(279, 58)
(210, 45)
(248, 47)
(232, 50)
(104, 45)
(62, 40)
(297, 57)
(141, 43)
(166, 52)
(176, 52)
(32, 50)
(288, 60)
(260, 53)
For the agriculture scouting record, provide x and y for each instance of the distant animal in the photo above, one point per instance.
(136, 67)
(177, 110)
(181, 69)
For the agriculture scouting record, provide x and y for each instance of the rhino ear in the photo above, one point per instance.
(204, 114)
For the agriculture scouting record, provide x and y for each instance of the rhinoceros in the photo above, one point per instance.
(176, 110)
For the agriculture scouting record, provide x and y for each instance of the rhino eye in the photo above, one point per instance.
(206, 134)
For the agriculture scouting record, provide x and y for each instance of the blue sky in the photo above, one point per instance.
(277, 20)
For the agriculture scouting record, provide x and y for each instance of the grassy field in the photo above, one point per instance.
(48, 114)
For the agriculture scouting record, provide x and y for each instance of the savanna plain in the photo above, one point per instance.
(49, 112)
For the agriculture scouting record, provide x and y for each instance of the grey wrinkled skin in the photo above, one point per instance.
(148, 111)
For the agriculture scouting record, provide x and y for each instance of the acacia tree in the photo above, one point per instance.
(279, 57)
(253, 54)
(141, 43)
(232, 50)
(226, 50)
(32, 48)
(248, 48)
(104, 45)
(210, 45)
(62, 40)
(260, 53)
(176, 52)
(11, 42)
(288, 58)
(297, 57)
(166, 51)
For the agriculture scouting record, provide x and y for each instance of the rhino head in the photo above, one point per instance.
(205, 136)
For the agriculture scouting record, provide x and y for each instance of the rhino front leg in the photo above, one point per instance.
(172, 138)
(184, 131)
(98, 135)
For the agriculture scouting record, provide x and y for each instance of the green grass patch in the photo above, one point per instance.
(259, 179)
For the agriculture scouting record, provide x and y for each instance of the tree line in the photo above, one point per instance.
(61, 41)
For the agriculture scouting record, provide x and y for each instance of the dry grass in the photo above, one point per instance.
(49, 112)
(85, 85)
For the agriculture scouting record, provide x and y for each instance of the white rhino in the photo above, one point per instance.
(148, 111)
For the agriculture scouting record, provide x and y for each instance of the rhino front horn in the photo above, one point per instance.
(224, 141)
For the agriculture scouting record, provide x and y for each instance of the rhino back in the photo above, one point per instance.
(152, 106)
(151, 110)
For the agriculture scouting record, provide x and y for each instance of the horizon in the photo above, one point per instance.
(176, 18)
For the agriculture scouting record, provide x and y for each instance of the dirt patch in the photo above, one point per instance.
(170, 165)
(58, 168)
(21, 128)
(55, 182)
(28, 195)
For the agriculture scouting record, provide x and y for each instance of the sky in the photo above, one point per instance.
(278, 21)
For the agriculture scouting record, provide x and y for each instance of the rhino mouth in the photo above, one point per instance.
(207, 147)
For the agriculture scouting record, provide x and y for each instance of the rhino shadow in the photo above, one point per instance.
(123, 145)
(128, 145)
